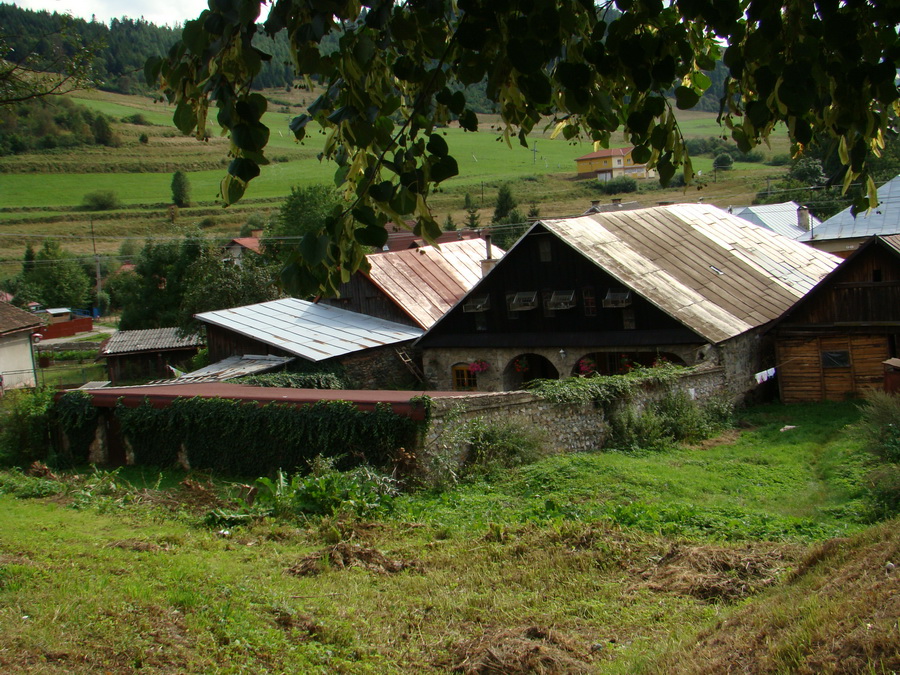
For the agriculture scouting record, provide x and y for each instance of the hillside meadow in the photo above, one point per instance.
(666, 562)
(41, 194)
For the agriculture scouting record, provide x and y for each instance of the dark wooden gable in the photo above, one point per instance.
(360, 295)
(499, 310)
(863, 292)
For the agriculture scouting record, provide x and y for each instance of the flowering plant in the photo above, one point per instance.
(586, 366)
(521, 364)
(478, 366)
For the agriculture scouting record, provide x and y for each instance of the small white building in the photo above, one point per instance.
(16, 354)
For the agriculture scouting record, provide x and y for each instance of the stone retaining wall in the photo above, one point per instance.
(564, 427)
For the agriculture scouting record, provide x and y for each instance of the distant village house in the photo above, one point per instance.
(609, 163)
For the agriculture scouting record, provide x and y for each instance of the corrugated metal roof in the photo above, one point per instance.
(425, 282)
(883, 219)
(313, 331)
(13, 319)
(235, 366)
(151, 339)
(716, 273)
(780, 218)
(407, 403)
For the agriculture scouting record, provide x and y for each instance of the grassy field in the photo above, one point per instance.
(41, 193)
(603, 562)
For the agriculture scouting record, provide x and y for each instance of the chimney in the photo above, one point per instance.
(490, 261)
(616, 201)
(595, 202)
(256, 233)
(803, 220)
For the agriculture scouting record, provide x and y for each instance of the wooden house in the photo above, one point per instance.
(833, 343)
(16, 355)
(609, 163)
(416, 286)
(135, 355)
(600, 293)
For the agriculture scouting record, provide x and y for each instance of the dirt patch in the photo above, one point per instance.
(718, 573)
(728, 437)
(299, 622)
(137, 545)
(521, 650)
(344, 555)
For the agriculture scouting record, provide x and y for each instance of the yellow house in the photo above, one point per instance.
(610, 163)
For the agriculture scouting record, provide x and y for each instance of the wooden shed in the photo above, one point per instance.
(833, 343)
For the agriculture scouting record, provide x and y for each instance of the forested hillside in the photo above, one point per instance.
(122, 47)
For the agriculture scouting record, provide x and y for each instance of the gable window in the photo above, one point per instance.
(836, 359)
(545, 253)
(463, 378)
(590, 301)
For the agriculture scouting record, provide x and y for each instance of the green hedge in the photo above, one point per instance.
(247, 439)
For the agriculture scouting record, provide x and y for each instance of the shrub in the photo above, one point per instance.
(25, 431)
(499, 445)
(100, 200)
(144, 139)
(880, 425)
(723, 162)
(310, 380)
(137, 118)
(780, 159)
(181, 190)
(616, 186)
(884, 490)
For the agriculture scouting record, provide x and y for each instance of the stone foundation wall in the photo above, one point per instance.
(565, 427)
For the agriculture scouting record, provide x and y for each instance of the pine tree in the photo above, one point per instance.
(472, 218)
(449, 225)
(504, 205)
(181, 189)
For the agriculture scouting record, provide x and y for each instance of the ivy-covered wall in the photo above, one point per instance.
(237, 438)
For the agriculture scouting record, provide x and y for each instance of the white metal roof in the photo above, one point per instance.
(312, 331)
(780, 218)
(716, 273)
(883, 219)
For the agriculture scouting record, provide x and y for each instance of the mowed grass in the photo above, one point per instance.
(109, 576)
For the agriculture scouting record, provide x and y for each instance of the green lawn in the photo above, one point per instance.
(121, 571)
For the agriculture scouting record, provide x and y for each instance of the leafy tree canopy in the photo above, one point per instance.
(392, 71)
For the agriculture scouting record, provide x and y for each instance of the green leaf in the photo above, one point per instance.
(231, 189)
(371, 235)
(686, 98)
(244, 169)
(382, 192)
(185, 117)
(437, 145)
(250, 136)
(404, 201)
(446, 168)
(641, 154)
(313, 247)
(524, 55)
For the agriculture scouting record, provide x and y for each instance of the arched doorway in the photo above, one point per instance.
(525, 368)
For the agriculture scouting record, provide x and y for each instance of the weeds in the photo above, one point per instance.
(880, 430)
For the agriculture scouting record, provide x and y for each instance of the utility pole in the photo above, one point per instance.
(534, 153)
(97, 264)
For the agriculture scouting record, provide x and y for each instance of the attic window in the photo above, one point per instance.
(716, 269)
(478, 303)
(617, 298)
(561, 300)
(523, 301)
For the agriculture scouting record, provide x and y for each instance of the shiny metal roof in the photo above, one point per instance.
(312, 331)
(716, 273)
(425, 282)
(780, 218)
(883, 219)
(235, 366)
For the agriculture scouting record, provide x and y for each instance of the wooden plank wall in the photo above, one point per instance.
(801, 376)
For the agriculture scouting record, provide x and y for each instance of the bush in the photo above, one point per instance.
(723, 162)
(880, 425)
(884, 490)
(144, 139)
(619, 185)
(25, 428)
(137, 118)
(780, 159)
(499, 445)
(311, 380)
(101, 200)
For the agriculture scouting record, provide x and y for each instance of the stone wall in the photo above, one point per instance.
(379, 368)
(564, 427)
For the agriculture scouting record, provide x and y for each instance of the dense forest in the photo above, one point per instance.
(122, 47)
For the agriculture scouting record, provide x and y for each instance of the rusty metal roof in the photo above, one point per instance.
(425, 282)
(312, 331)
(716, 273)
(149, 340)
(13, 319)
(162, 395)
